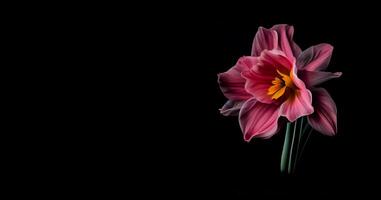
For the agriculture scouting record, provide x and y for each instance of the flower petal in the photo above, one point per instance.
(315, 58)
(264, 39)
(259, 78)
(231, 108)
(258, 119)
(300, 104)
(275, 59)
(324, 119)
(258, 85)
(313, 78)
(285, 40)
(231, 82)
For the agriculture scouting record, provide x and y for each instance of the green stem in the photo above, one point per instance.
(286, 148)
(305, 142)
(300, 131)
(291, 148)
(302, 127)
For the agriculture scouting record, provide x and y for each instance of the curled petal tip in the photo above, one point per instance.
(338, 74)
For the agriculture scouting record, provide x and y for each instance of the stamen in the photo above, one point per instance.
(287, 80)
(279, 93)
(279, 85)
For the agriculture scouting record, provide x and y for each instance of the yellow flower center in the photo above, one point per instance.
(279, 86)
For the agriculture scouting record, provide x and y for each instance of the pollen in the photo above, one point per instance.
(279, 86)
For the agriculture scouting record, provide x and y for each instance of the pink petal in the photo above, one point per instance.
(313, 78)
(231, 108)
(258, 85)
(300, 102)
(285, 40)
(324, 119)
(315, 58)
(274, 58)
(258, 79)
(232, 84)
(264, 39)
(297, 106)
(258, 120)
(297, 81)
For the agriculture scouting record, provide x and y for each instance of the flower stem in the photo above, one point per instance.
(286, 149)
(305, 142)
(302, 129)
(290, 164)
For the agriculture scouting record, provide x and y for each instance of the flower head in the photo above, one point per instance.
(278, 79)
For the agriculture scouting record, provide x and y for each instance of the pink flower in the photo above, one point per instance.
(279, 80)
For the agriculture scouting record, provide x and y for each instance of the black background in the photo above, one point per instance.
(145, 114)
(184, 147)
